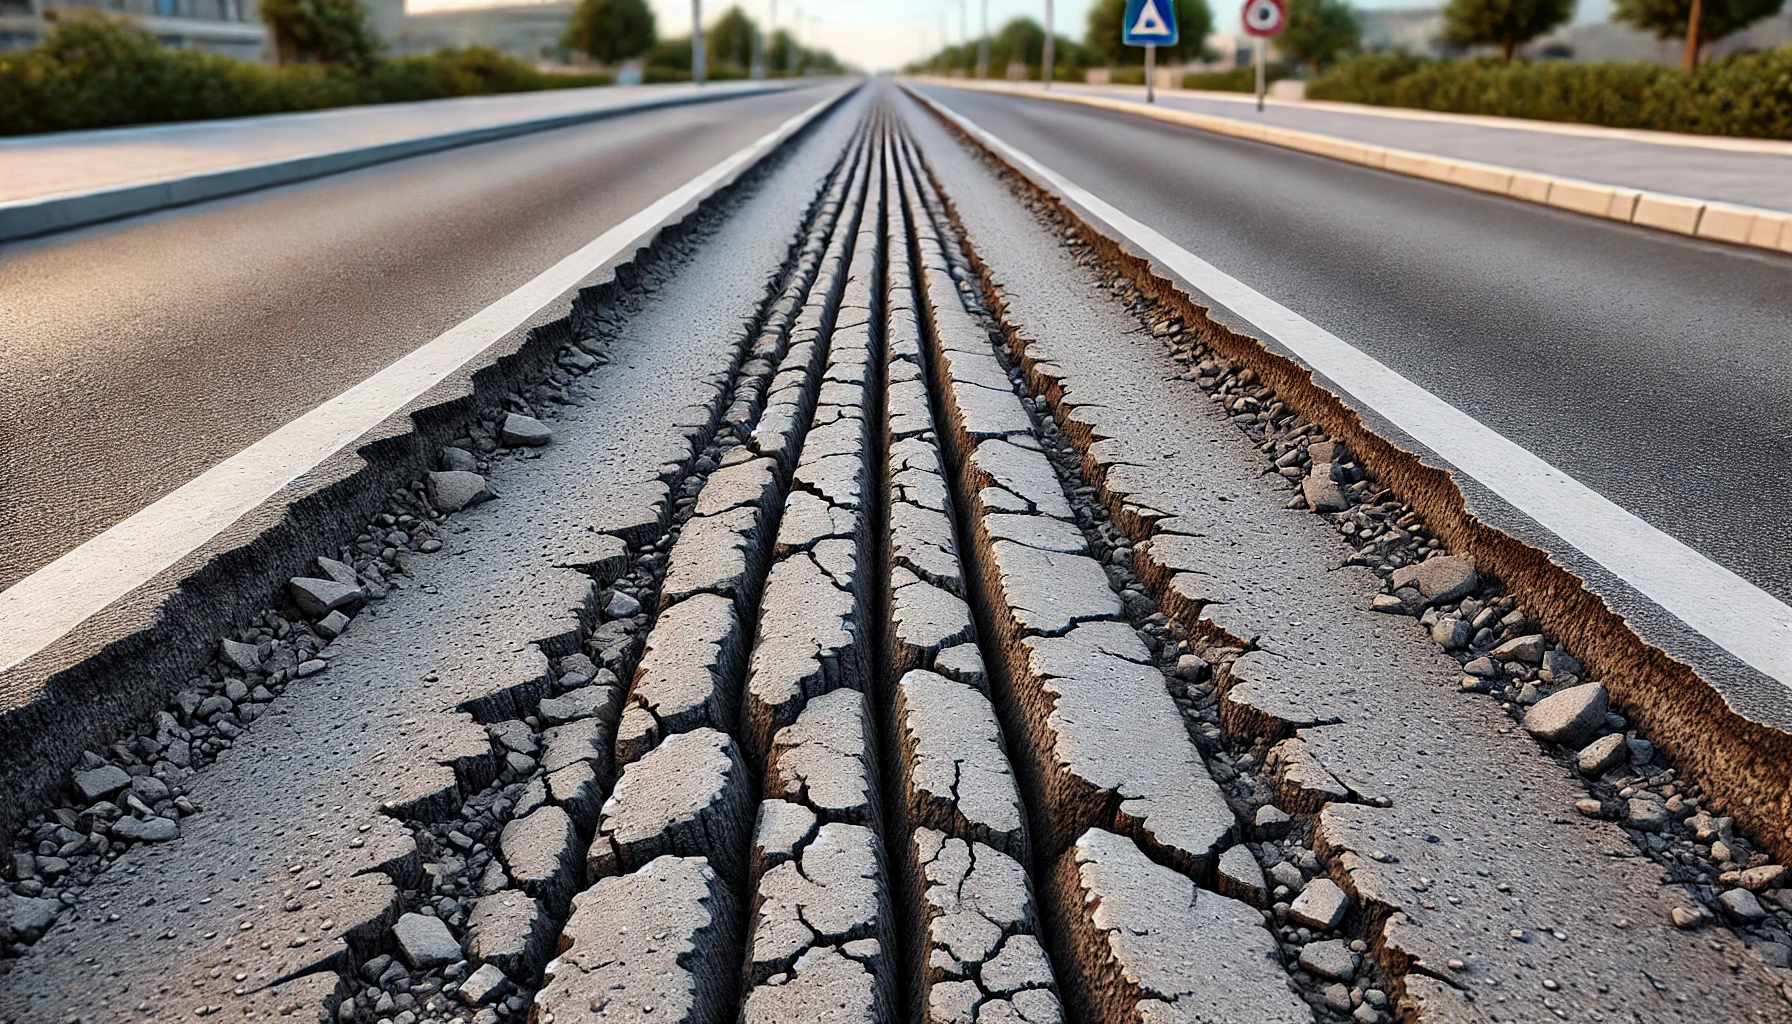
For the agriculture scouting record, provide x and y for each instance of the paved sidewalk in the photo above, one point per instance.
(38, 167)
(1748, 172)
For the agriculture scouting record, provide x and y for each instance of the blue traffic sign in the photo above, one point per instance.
(1149, 22)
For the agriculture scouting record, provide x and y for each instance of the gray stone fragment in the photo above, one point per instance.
(1322, 492)
(1569, 716)
(687, 797)
(573, 705)
(332, 625)
(453, 490)
(510, 931)
(24, 918)
(1321, 905)
(1558, 666)
(1528, 649)
(1603, 754)
(318, 598)
(459, 460)
(483, 986)
(655, 945)
(146, 830)
(1451, 633)
(1742, 905)
(425, 942)
(1331, 960)
(541, 852)
(100, 783)
(244, 656)
(1239, 876)
(341, 572)
(520, 431)
(1440, 579)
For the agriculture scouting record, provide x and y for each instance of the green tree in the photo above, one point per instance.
(1676, 19)
(610, 31)
(1318, 31)
(729, 39)
(1193, 23)
(320, 32)
(1507, 24)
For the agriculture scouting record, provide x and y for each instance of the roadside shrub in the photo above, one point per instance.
(1747, 95)
(97, 72)
(1237, 80)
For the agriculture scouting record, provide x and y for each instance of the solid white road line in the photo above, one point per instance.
(1730, 611)
(44, 606)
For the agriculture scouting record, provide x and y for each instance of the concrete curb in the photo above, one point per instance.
(1695, 218)
(26, 218)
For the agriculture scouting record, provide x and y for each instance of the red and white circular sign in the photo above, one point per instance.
(1264, 17)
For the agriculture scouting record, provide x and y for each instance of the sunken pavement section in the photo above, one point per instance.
(883, 626)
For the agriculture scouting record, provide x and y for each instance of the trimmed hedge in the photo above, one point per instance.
(1237, 80)
(1747, 95)
(96, 72)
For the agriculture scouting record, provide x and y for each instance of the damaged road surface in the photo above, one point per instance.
(894, 605)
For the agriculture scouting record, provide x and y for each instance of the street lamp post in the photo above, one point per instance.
(699, 63)
(983, 45)
(1046, 70)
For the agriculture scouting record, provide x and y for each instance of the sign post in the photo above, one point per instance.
(1263, 19)
(1149, 23)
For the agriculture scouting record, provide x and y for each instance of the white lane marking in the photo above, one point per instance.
(1733, 613)
(44, 606)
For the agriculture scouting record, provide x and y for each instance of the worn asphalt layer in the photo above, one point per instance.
(1464, 791)
(299, 799)
(141, 352)
(1651, 368)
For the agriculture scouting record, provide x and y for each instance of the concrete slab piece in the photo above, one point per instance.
(1047, 592)
(955, 774)
(823, 760)
(828, 904)
(688, 675)
(808, 644)
(1099, 716)
(1148, 945)
(544, 855)
(688, 797)
(656, 944)
(982, 958)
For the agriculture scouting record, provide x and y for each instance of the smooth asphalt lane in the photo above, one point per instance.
(137, 354)
(1652, 368)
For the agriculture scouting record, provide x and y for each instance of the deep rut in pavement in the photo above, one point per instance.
(916, 679)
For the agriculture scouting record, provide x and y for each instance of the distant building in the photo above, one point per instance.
(527, 31)
(230, 27)
(1415, 30)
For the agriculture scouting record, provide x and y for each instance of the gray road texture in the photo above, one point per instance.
(1650, 367)
(1751, 179)
(137, 354)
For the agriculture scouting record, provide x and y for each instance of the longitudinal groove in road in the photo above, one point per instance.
(899, 627)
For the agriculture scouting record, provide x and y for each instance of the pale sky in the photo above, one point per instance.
(879, 34)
